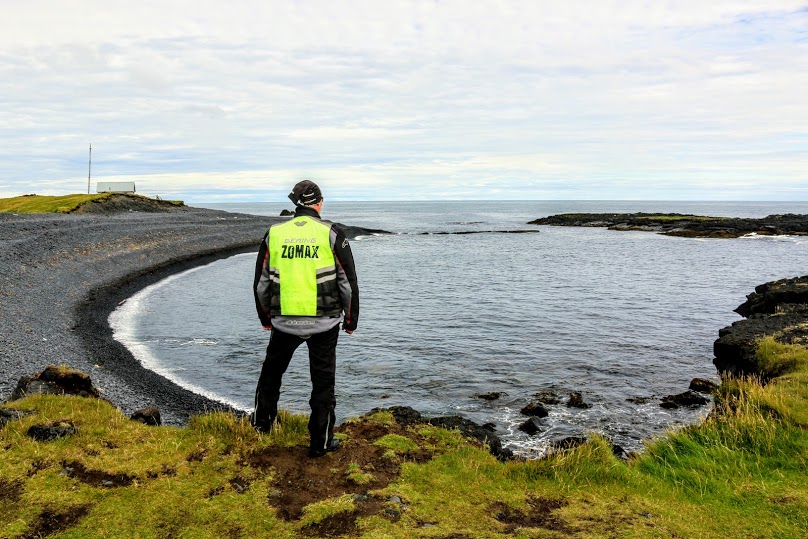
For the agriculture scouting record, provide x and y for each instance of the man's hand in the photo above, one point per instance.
(348, 331)
(267, 328)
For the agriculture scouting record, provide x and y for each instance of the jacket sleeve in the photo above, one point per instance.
(261, 282)
(346, 278)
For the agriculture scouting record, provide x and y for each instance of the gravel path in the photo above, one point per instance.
(61, 276)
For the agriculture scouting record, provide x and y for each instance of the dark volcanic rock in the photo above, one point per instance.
(535, 409)
(531, 426)
(286, 213)
(353, 232)
(494, 395)
(71, 382)
(7, 416)
(619, 451)
(547, 397)
(577, 401)
(55, 381)
(701, 385)
(675, 224)
(472, 430)
(565, 444)
(735, 348)
(688, 398)
(149, 415)
(405, 416)
(778, 308)
(772, 297)
(46, 433)
(19, 390)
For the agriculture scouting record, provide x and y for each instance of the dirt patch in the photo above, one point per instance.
(344, 524)
(96, 478)
(36, 466)
(50, 522)
(10, 491)
(165, 471)
(196, 456)
(539, 515)
(300, 480)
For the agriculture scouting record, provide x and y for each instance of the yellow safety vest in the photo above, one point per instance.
(303, 272)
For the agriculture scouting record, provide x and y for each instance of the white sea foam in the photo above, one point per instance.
(122, 321)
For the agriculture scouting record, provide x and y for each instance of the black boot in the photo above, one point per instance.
(332, 445)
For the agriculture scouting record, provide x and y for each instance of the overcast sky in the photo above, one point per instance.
(382, 100)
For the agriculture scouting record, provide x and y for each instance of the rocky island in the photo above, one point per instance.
(689, 226)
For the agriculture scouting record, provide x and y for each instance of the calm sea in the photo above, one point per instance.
(444, 318)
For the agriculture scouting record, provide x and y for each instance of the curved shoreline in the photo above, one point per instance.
(64, 275)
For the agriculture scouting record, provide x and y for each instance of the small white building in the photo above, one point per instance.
(115, 187)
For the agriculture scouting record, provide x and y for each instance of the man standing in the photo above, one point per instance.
(304, 281)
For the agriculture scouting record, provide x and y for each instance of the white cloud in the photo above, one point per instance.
(592, 98)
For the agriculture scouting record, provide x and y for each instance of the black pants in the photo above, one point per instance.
(322, 365)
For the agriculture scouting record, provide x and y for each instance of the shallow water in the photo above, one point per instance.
(613, 315)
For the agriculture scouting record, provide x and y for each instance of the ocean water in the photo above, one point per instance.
(444, 318)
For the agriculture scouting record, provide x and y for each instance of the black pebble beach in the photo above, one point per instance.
(62, 275)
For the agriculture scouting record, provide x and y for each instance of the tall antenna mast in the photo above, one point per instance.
(89, 168)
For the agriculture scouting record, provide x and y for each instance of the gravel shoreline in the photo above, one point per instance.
(61, 276)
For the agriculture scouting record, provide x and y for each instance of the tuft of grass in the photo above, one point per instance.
(397, 444)
(674, 217)
(317, 512)
(355, 475)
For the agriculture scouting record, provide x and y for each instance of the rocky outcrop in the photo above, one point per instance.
(576, 400)
(492, 396)
(149, 415)
(46, 433)
(688, 398)
(532, 426)
(535, 409)
(776, 297)
(353, 232)
(701, 385)
(676, 224)
(64, 381)
(7, 416)
(56, 381)
(778, 309)
(485, 434)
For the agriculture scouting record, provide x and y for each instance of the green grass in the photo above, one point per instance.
(739, 473)
(60, 204)
(47, 204)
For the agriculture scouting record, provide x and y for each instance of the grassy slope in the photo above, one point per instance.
(739, 474)
(62, 204)
(47, 204)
